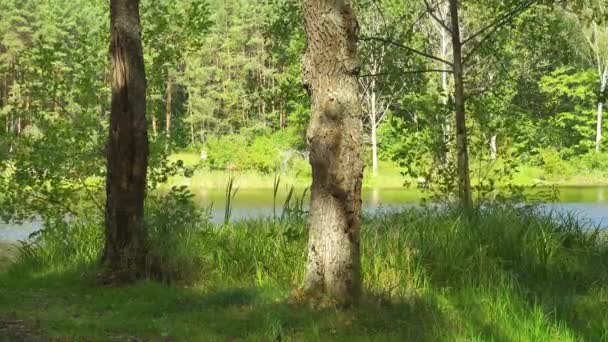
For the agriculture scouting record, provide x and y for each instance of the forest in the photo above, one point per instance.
(303, 170)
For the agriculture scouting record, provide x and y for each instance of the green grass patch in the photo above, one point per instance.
(505, 274)
(8, 254)
(389, 176)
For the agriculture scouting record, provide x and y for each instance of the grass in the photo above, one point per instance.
(531, 175)
(389, 177)
(506, 274)
(8, 252)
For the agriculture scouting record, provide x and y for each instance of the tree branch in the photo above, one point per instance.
(431, 12)
(407, 48)
(495, 26)
(499, 21)
(420, 71)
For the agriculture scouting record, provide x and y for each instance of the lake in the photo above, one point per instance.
(590, 203)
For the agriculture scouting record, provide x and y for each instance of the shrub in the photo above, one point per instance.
(76, 242)
(593, 161)
(176, 228)
(227, 151)
(264, 153)
(553, 163)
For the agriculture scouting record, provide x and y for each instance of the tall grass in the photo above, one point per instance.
(504, 273)
(230, 193)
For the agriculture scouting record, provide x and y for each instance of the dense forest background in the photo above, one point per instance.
(224, 82)
(156, 107)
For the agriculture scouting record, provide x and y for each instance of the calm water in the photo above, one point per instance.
(590, 203)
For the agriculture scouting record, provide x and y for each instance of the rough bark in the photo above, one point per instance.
(334, 137)
(127, 149)
(464, 180)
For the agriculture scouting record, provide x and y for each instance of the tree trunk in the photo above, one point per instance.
(154, 126)
(445, 88)
(493, 147)
(374, 127)
(600, 109)
(334, 137)
(374, 150)
(191, 118)
(464, 180)
(169, 107)
(127, 150)
(5, 95)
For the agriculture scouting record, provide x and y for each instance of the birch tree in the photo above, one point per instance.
(596, 37)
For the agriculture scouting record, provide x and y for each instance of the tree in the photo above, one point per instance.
(380, 84)
(334, 137)
(596, 50)
(127, 149)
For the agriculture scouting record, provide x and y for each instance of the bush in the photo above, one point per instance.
(553, 164)
(593, 161)
(176, 228)
(64, 244)
(265, 153)
(225, 152)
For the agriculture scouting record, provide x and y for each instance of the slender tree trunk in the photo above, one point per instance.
(600, 110)
(169, 107)
(154, 126)
(127, 150)
(374, 127)
(493, 147)
(5, 95)
(334, 137)
(445, 122)
(191, 118)
(464, 179)
(374, 150)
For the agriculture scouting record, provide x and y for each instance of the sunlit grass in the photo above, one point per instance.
(505, 274)
(389, 176)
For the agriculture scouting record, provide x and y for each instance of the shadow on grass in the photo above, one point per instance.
(66, 305)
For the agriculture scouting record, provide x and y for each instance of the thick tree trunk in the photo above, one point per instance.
(600, 109)
(169, 107)
(334, 137)
(464, 180)
(127, 150)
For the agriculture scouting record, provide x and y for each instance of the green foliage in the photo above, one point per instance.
(176, 229)
(512, 273)
(262, 153)
(76, 243)
(553, 163)
(593, 161)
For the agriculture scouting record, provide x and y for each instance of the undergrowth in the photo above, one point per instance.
(503, 274)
